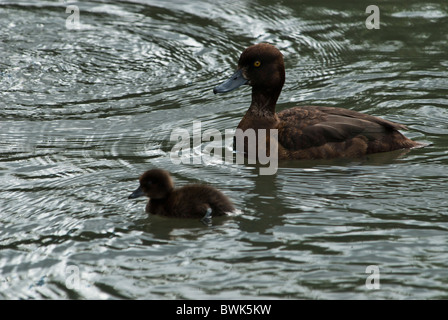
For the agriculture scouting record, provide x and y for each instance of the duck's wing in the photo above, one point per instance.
(306, 127)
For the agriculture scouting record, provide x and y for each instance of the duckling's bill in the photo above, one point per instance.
(137, 193)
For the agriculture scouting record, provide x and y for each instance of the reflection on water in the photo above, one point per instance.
(83, 112)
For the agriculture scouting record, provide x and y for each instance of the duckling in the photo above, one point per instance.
(190, 201)
(306, 132)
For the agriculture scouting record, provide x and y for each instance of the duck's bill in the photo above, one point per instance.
(236, 81)
(137, 193)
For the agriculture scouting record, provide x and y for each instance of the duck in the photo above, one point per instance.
(190, 201)
(306, 132)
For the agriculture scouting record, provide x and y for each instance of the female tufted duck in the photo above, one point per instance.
(306, 132)
(191, 201)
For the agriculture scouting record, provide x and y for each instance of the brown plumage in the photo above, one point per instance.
(307, 132)
(191, 201)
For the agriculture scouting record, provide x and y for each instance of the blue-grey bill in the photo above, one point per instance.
(236, 81)
(137, 193)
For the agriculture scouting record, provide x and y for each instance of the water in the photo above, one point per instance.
(84, 112)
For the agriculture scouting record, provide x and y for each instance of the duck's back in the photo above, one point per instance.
(328, 132)
(194, 200)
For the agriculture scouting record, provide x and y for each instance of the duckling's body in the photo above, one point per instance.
(191, 201)
(306, 132)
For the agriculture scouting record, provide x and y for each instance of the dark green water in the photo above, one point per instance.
(84, 112)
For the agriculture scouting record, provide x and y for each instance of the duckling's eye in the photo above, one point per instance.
(257, 63)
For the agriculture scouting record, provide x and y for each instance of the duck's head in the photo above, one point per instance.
(155, 184)
(260, 66)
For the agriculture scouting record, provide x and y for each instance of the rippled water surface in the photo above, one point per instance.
(83, 112)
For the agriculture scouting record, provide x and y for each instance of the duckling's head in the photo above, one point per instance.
(260, 66)
(154, 184)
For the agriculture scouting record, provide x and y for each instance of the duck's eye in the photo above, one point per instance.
(257, 63)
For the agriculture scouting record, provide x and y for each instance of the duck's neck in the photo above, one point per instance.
(263, 102)
(161, 195)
